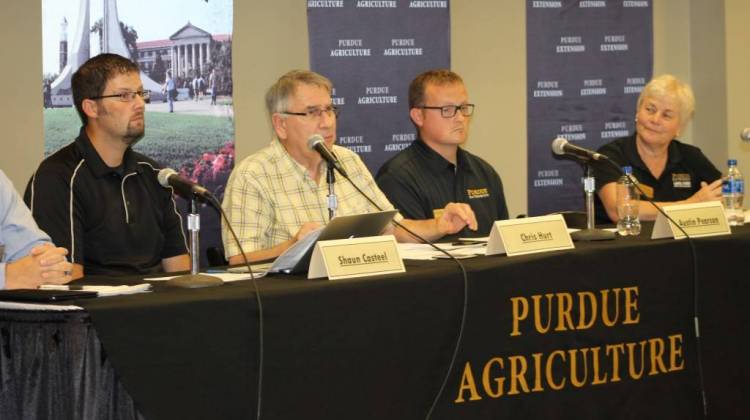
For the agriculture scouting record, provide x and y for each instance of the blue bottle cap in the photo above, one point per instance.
(732, 162)
(627, 169)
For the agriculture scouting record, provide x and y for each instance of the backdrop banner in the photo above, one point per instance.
(371, 50)
(189, 39)
(587, 62)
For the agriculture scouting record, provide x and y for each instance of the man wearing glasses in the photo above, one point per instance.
(96, 196)
(434, 170)
(278, 195)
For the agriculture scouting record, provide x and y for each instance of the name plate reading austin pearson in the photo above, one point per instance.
(348, 258)
(699, 219)
(529, 235)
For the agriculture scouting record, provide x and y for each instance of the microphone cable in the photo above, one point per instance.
(696, 288)
(258, 300)
(464, 306)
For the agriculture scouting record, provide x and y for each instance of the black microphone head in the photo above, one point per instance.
(163, 176)
(315, 139)
(558, 145)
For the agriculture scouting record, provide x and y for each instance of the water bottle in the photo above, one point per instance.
(732, 192)
(628, 202)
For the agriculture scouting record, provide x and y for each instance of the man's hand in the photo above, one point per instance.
(455, 217)
(708, 192)
(45, 264)
(305, 230)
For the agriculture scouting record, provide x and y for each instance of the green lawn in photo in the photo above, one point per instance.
(171, 139)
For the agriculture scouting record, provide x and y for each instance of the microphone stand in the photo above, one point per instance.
(591, 233)
(332, 200)
(194, 279)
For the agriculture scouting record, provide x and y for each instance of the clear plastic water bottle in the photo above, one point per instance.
(628, 202)
(732, 192)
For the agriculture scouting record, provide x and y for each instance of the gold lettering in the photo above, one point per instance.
(631, 305)
(467, 384)
(537, 312)
(537, 372)
(610, 322)
(631, 359)
(675, 352)
(595, 358)
(496, 392)
(520, 312)
(550, 379)
(517, 372)
(564, 307)
(657, 356)
(615, 356)
(574, 365)
(582, 297)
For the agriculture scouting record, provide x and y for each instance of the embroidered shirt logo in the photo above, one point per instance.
(475, 193)
(681, 181)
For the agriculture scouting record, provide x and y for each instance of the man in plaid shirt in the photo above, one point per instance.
(278, 195)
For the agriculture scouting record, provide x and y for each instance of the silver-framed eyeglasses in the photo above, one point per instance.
(316, 113)
(449, 111)
(127, 96)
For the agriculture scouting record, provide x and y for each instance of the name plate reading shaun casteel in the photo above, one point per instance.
(698, 219)
(529, 235)
(358, 257)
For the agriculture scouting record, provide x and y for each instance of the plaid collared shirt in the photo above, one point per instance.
(270, 196)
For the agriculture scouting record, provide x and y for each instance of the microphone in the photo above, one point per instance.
(561, 146)
(188, 189)
(745, 135)
(316, 142)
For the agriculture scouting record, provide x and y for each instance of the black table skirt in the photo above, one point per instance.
(52, 366)
(379, 347)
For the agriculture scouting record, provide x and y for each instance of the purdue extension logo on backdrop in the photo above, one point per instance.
(614, 43)
(570, 44)
(572, 132)
(615, 129)
(634, 85)
(548, 89)
(593, 87)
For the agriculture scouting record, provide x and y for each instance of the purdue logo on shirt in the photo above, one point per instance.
(475, 193)
(681, 181)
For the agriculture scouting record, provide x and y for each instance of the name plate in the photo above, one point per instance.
(529, 235)
(358, 257)
(698, 219)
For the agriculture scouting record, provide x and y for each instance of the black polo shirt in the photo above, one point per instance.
(112, 220)
(418, 181)
(686, 168)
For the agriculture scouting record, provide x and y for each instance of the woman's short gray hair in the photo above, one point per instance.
(667, 86)
(277, 97)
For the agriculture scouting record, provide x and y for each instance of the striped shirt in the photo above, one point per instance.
(270, 196)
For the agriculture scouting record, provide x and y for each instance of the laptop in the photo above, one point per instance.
(296, 259)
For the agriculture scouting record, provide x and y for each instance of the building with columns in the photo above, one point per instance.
(186, 53)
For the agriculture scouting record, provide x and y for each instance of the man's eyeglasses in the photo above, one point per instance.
(316, 113)
(449, 111)
(127, 96)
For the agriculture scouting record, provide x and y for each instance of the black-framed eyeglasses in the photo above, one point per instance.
(316, 113)
(449, 111)
(127, 96)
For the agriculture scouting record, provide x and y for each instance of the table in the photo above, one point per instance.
(379, 347)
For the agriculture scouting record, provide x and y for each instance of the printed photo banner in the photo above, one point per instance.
(371, 50)
(587, 62)
(192, 40)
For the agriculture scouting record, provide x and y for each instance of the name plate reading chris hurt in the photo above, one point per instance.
(358, 257)
(529, 235)
(698, 219)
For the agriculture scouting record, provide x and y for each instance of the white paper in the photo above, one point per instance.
(427, 252)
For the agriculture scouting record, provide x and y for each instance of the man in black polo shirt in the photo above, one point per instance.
(99, 198)
(434, 170)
